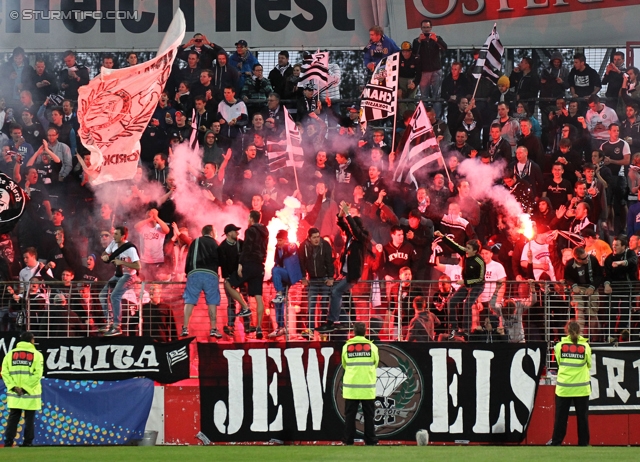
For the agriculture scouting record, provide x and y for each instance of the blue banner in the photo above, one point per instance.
(87, 413)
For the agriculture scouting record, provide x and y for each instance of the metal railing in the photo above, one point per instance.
(155, 309)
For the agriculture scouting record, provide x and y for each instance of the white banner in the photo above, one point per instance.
(116, 25)
(116, 106)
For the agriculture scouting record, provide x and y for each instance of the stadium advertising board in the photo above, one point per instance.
(126, 25)
(474, 392)
(83, 413)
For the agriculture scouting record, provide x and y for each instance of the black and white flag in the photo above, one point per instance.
(315, 69)
(489, 62)
(287, 152)
(379, 98)
(420, 148)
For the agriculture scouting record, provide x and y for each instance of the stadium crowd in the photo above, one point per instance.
(567, 154)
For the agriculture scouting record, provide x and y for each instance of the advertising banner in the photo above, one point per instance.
(88, 413)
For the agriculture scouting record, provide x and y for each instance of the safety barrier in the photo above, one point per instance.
(55, 309)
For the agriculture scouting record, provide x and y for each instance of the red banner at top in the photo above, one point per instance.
(445, 12)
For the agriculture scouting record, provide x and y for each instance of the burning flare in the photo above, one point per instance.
(526, 226)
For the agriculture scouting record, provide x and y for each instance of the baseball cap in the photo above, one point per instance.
(231, 227)
(60, 211)
(353, 108)
(242, 43)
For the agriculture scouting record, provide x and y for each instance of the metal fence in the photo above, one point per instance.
(536, 312)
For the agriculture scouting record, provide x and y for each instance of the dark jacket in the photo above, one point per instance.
(358, 241)
(256, 238)
(592, 269)
(224, 76)
(428, 51)
(206, 55)
(278, 79)
(473, 271)
(319, 265)
(229, 256)
(628, 272)
(202, 256)
(71, 91)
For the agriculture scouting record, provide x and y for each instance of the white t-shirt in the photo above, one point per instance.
(494, 271)
(606, 117)
(541, 255)
(151, 244)
(455, 274)
(129, 255)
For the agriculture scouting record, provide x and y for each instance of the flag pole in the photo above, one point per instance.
(295, 175)
(445, 168)
(476, 89)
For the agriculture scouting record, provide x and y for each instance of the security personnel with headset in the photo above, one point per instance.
(360, 362)
(573, 355)
(22, 370)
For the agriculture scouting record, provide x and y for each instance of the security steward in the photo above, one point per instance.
(360, 361)
(22, 370)
(573, 355)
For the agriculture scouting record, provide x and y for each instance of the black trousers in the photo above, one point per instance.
(563, 404)
(351, 409)
(12, 426)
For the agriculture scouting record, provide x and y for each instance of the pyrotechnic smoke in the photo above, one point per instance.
(190, 200)
(286, 219)
(482, 181)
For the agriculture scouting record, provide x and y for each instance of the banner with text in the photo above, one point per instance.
(615, 379)
(325, 24)
(108, 358)
(293, 391)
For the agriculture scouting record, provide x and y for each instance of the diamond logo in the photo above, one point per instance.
(399, 391)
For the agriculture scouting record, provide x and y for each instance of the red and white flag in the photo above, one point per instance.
(116, 106)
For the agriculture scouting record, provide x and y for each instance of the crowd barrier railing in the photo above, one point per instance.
(527, 312)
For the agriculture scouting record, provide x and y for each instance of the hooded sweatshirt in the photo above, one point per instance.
(255, 244)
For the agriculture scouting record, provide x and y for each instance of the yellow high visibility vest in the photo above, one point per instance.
(574, 363)
(360, 362)
(23, 367)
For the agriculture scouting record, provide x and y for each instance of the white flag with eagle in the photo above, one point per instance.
(116, 106)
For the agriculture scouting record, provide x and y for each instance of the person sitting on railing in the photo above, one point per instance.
(584, 274)
(352, 264)
(472, 281)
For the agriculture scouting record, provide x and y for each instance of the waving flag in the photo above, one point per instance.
(116, 107)
(489, 61)
(287, 152)
(315, 68)
(420, 148)
(379, 98)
